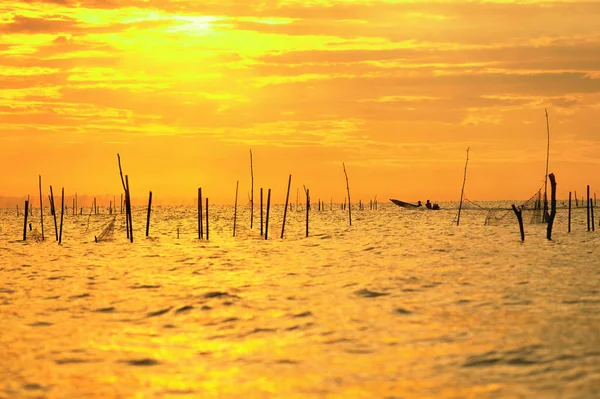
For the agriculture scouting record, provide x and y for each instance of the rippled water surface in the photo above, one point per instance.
(402, 304)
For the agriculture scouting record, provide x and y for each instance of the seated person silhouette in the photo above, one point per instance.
(419, 203)
(428, 205)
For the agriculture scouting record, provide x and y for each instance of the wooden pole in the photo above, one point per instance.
(126, 215)
(268, 211)
(462, 192)
(592, 214)
(588, 208)
(287, 199)
(251, 193)
(62, 212)
(76, 203)
(148, 217)
(128, 196)
(348, 188)
(25, 220)
(552, 205)
(545, 217)
(307, 208)
(41, 208)
(235, 206)
(519, 214)
(200, 232)
(121, 203)
(261, 212)
(297, 197)
(53, 212)
(569, 224)
(74, 207)
(206, 218)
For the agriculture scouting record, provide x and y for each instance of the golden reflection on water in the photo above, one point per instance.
(400, 305)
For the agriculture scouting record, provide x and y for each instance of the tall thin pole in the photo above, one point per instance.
(462, 192)
(261, 211)
(251, 193)
(569, 225)
(206, 218)
(348, 188)
(200, 232)
(128, 207)
(25, 220)
(588, 208)
(287, 201)
(148, 217)
(41, 208)
(62, 212)
(237, 184)
(54, 213)
(268, 211)
(307, 208)
(545, 217)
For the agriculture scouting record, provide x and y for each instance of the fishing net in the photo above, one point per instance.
(107, 232)
(533, 211)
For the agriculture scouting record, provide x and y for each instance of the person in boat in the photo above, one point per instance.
(428, 205)
(419, 203)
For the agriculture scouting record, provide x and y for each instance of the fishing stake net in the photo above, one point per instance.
(107, 232)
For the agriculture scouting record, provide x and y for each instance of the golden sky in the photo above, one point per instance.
(396, 89)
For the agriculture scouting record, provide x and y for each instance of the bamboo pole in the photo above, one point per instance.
(235, 206)
(588, 208)
(519, 214)
(121, 203)
(569, 223)
(261, 212)
(545, 217)
(251, 193)
(148, 217)
(128, 205)
(592, 214)
(268, 211)
(462, 192)
(25, 220)
(348, 188)
(206, 218)
(287, 199)
(62, 213)
(307, 208)
(53, 212)
(552, 205)
(200, 231)
(41, 208)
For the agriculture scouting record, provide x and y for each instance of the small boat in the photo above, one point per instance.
(408, 205)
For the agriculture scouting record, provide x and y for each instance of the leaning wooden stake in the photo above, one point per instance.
(25, 220)
(130, 218)
(251, 192)
(519, 214)
(53, 213)
(287, 199)
(41, 208)
(552, 205)
(62, 213)
(569, 224)
(148, 217)
(545, 217)
(462, 192)
(307, 208)
(348, 188)
(268, 211)
(235, 206)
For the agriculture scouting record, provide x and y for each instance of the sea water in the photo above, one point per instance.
(402, 304)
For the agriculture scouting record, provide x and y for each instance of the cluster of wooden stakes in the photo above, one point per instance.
(203, 208)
